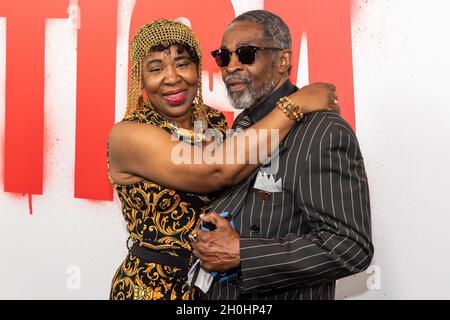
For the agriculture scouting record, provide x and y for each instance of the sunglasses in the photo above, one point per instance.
(245, 54)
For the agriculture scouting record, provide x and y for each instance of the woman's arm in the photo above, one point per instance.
(148, 151)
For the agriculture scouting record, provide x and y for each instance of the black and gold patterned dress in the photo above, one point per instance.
(159, 219)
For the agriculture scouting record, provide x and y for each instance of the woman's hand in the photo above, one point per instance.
(317, 97)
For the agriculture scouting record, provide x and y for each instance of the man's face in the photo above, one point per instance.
(248, 84)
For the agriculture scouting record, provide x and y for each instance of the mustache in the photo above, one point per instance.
(236, 76)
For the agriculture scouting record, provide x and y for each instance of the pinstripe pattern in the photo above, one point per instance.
(242, 122)
(317, 230)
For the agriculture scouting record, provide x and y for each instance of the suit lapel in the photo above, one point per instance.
(233, 200)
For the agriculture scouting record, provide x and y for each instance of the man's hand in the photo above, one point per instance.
(219, 249)
(317, 97)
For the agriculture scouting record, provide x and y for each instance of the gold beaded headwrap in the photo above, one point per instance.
(160, 32)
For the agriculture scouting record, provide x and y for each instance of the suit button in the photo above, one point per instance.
(254, 228)
(264, 196)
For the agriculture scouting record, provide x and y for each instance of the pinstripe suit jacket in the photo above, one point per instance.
(296, 243)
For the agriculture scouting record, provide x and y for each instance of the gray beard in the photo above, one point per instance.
(251, 96)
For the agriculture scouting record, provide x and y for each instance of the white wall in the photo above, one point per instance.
(401, 72)
(401, 67)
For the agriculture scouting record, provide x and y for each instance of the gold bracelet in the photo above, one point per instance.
(292, 110)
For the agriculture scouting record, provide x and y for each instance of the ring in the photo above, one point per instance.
(335, 101)
(193, 236)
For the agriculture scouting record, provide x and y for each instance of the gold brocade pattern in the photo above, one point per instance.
(159, 219)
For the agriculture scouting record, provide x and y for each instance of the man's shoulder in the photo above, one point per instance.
(317, 126)
(323, 121)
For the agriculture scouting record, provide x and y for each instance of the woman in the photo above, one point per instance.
(164, 99)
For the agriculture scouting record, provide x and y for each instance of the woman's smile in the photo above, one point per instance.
(175, 97)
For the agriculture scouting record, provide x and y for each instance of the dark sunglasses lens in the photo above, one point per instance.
(222, 57)
(246, 55)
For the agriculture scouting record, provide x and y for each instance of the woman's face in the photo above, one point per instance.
(171, 82)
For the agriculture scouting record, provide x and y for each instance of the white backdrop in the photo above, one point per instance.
(70, 248)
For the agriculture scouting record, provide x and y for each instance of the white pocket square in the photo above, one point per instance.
(267, 183)
(202, 280)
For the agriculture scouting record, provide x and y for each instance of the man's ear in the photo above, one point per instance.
(284, 61)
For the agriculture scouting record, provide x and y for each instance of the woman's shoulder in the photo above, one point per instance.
(144, 115)
(147, 115)
(216, 118)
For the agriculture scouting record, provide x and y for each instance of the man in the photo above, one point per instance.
(312, 226)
